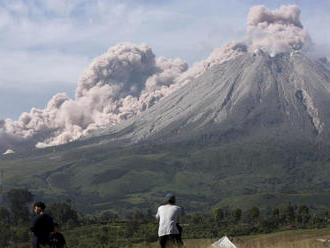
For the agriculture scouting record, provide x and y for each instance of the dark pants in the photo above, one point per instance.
(170, 240)
(38, 243)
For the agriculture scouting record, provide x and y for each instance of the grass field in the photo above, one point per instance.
(285, 239)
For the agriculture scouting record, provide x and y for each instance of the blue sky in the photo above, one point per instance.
(47, 44)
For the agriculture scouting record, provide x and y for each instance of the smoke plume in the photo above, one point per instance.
(276, 31)
(121, 83)
(128, 79)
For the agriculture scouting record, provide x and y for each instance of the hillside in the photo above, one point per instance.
(238, 174)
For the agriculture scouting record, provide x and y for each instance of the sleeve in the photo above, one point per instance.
(51, 224)
(63, 239)
(157, 215)
(33, 224)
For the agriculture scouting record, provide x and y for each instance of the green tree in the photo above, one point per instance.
(303, 215)
(4, 216)
(103, 237)
(197, 218)
(327, 216)
(5, 231)
(287, 214)
(218, 215)
(237, 214)
(276, 213)
(63, 213)
(253, 214)
(268, 225)
(5, 236)
(18, 201)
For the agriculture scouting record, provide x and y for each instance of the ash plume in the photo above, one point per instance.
(128, 79)
(276, 31)
(119, 84)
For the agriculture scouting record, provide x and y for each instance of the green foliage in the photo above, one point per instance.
(289, 214)
(5, 236)
(303, 215)
(247, 173)
(237, 214)
(218, 215)
(253, 214)
(63, 213)
(4, 216)
(139, 229)
(18, 200)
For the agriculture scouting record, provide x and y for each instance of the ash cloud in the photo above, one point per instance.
(121, 83)
(128, 79)
(276, 31)
(273, 32)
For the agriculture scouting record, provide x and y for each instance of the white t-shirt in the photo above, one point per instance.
(168, 216)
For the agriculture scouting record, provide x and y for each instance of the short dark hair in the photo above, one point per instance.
(40, 205)
(170, 198)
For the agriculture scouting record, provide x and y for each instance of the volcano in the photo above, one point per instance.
(248, 126)
(286, 96)
(250, 131)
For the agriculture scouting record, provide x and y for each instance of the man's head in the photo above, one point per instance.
(56, 226)
(170, 198)
(39, 207)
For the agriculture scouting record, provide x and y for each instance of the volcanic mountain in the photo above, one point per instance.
(252, 130)
(284, 96)
(247, 126)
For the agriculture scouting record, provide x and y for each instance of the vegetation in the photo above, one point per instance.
(243, 174)
(108, 230)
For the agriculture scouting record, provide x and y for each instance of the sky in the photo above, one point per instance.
(46, 45)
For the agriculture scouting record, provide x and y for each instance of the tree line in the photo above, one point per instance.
(139, 229)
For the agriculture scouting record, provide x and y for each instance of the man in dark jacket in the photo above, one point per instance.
(42, 226)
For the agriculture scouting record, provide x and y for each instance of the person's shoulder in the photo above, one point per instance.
(161, 207)
(47, 216)
(178, 208)
(36, 218)
(60, 235)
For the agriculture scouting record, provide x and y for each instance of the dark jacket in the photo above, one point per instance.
(57, 240)
(41, 226)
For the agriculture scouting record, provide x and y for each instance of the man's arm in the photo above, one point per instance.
(50, 223)
(157, 215)
(34, 224)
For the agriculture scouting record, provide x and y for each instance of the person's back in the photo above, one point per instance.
(169, 231)
(42, 225)
(168, 217)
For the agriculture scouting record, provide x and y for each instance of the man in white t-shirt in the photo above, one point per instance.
(169, 231)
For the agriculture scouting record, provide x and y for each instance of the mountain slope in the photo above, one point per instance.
(288, 92)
